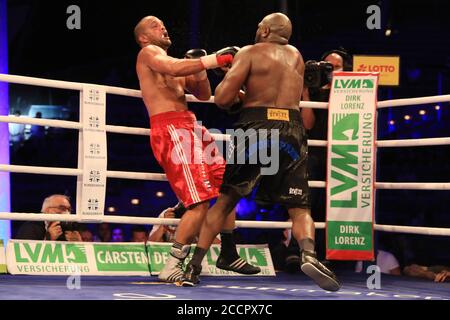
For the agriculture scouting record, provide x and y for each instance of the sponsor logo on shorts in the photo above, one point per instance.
(295, 191)
(277, 114)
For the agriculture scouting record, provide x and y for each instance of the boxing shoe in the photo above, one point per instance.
(173, 269)
(320, 274)
(238, 265)
(191, 276)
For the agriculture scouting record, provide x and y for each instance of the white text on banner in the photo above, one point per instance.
(351, 159)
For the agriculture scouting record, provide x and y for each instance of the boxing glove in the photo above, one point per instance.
(237, 107)
(228, 50)
(197, 54)
(221, 58)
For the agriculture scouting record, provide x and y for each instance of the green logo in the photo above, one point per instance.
(50, 253)
(123, 258)
(353, 84)
(344, 160)
(253, 256)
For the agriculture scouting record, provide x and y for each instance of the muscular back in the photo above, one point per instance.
(272, 75)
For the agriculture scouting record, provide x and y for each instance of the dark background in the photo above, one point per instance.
(104, 52)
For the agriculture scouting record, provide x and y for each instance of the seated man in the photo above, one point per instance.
(56, 230)
(165, 233)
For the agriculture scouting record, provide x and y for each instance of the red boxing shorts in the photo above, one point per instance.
(189, 156)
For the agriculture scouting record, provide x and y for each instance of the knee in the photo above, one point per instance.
(227, 202)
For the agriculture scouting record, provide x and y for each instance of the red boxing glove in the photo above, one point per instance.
(213, 61)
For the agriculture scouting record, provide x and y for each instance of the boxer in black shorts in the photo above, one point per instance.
(271, 71)
(289, 184)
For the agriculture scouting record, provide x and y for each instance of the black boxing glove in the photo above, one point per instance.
(228, 50)
(197, 54)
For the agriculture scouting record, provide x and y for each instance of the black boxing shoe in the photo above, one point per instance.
(320, 274)
(238, 265)
(191, 276)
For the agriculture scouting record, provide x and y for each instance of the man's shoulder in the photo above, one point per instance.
(292, 48)
(245, 50)
(149, 50)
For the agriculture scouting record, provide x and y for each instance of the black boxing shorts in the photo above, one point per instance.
(268, 150)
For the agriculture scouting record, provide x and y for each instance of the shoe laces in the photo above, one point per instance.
(180, 264)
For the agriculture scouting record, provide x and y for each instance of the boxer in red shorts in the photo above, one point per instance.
(178, 141)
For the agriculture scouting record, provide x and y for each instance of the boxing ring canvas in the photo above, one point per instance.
(282, 287)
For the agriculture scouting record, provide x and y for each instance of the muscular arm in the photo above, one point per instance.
(157, 236)
(200, 89)
(156, 60)
(307, 113)
(228, 90)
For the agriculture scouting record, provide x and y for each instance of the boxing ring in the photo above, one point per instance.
(282, 287)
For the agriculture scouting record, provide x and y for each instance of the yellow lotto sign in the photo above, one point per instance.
(387, 66)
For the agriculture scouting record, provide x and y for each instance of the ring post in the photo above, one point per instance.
(5, 191)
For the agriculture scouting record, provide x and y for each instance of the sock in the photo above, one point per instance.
(180, 251)
(177, 245)
(227, 246)
(199, 254)
(307, 244)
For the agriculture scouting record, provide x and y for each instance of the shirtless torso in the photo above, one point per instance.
(162, 91)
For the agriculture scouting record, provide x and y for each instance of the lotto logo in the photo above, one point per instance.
(376, 68)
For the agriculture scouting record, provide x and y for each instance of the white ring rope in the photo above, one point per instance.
(162, 177)
(413, 142)
(109, 174)
(220, 137)
(239, 224)
(137, 93)
(413, 101)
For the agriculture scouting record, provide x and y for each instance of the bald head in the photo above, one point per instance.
(141, 26)
(336, 60)
(151, 30)
(275, 27)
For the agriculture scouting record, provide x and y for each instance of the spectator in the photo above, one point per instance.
(139, 234)
(104, 232)
(386, 261)
(16, 133)
(165, 233)
(56, 230)
(433, 273)
(117, 235)
(86, 235)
